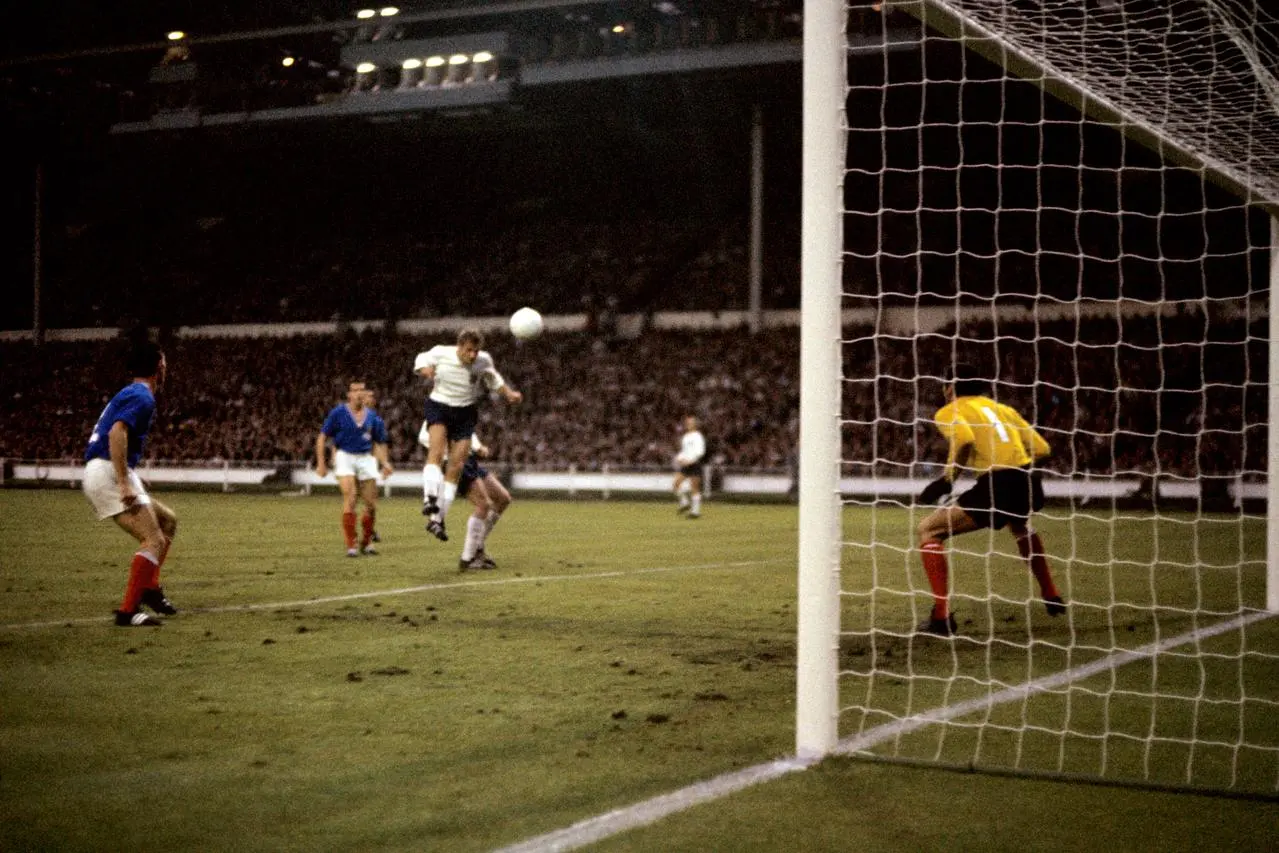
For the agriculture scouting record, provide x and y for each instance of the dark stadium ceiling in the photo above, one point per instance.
(60, 26)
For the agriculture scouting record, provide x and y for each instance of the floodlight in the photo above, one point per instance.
(365, 68)
(388, 11)
(411, 64)
(176, 35)
(365, 14)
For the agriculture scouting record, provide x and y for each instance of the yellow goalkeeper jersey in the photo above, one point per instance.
(999, 436)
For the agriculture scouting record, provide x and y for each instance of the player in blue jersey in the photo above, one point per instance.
(488, 497)
(359, 455)
(112, 485)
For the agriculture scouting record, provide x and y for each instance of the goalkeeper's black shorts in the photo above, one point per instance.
(1003, 495)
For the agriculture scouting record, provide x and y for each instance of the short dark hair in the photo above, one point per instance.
(470, 336)
(968, 380)
(144, 358)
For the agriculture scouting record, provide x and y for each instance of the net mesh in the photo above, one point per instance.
(1116, 294)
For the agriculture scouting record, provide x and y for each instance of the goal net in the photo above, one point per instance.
(1073, 199)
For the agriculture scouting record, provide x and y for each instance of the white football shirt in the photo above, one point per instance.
(456, 384)
(692, 447)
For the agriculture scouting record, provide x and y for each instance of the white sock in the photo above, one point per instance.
(432, 476)
(448, 491)
(490, 521)
(681, 494)
(474, 537)
(697, 505)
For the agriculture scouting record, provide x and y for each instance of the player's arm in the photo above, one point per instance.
(381, 445)
(959, 438)
(496, 383)
(118, 445)
(382, 456)
(321, 454)
(1036, 445)
(424, 366)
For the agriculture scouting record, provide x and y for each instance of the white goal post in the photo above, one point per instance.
(1099, 179)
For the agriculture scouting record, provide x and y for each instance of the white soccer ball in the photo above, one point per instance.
(526, 324)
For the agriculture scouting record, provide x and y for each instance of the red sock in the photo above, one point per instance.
(1032, 551)
(366, 524)
(140, 574)
(348, 528)
(933, 555)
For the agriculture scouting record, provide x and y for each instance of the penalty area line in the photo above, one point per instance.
(411, 590)
(649, 811)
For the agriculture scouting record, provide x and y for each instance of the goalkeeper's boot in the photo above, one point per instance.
(154, 599)
(136, 619)
(486, 562)
(435, 527)
(1055, 606)
(940, 627)
(430, 507)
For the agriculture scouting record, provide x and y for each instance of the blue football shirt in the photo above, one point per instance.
(134, 405)
(351, 437)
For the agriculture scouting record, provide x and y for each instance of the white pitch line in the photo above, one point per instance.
(603, 826)
(409, 590)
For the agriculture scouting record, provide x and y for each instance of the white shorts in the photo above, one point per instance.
(103, 490)
(361, 466)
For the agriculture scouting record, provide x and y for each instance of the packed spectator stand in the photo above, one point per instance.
(1163, 401)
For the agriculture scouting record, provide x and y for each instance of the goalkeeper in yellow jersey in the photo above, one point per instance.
(995, 443)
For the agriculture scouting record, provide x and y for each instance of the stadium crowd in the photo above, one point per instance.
(1161, 399)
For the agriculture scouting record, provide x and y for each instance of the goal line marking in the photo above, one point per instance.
(611, 823)
(410, 590)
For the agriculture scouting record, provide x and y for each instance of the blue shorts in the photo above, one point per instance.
(459, 420)
(471, 471)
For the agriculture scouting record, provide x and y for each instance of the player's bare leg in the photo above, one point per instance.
(141, 522)
(368, 495)
(477, 494)
(682, 488)
(433, 481)
(940, 525)
(695, 497)
(1032, 551)
(348, 488)
(153, 596)
(499, 502)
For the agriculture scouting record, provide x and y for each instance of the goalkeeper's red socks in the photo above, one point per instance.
(1032, 551)
(933, 555)
(348, 529)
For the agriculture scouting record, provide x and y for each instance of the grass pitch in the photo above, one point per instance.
(307, 701)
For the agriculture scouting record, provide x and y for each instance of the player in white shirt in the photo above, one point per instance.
(688, 468)
(462, 376)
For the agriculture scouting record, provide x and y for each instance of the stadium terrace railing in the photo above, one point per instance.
(608, 482)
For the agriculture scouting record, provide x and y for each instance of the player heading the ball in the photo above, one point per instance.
(462, 374)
